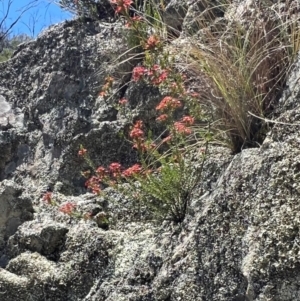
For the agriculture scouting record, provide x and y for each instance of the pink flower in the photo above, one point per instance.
(101, 172)
(137, 132)
(162, 117)
(152, 42)
(122, 5)
(181, 128)
(93, 183)
(82, 152)
(168, 103)
(67, 208)
(115, 169)
(123, 101)
(160, 78)
(132, 171)
(138, 72)
(188, 120)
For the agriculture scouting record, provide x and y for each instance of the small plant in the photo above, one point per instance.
(5, 55)
(67, 208)
(163, 180)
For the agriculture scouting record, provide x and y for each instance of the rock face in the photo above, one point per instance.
(240, 240)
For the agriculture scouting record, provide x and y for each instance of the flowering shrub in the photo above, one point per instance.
(162, 181)
(244, 71)
(121, 6)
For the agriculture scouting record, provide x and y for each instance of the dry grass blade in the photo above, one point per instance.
(246, 70)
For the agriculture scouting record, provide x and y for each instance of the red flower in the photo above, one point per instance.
(181, 128)
(101, 172)
(157, 75)
(163, 75)
(162, 117)
(92, 180)
(168, 103)
(115, 169)
(137, 132)
(122, 5)
(154, 69)
(67, 208)
(132, 171)
(152, 42)
(188, 120)
(138, 72)
(93, 183)
(96, 189)
(47, 197)
(82, 152)
(123, 101)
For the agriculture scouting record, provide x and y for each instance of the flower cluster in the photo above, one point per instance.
(115, 169)
(138, 73)
(132, 171)
(161, 165)
(187, 120)
(68, 208)
(112, 175)
(181, 128)
(137, 136)
(162, 117)
(168, 103)
(136, 132)
(152, 43)
(93, 183)
(157, 75)
(121, 5)
(154, 75)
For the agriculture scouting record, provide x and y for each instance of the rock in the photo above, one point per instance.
(14, 210)
(240, 236)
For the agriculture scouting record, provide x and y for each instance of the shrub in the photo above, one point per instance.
(244, 69)
(9, 44)
(162, 182)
